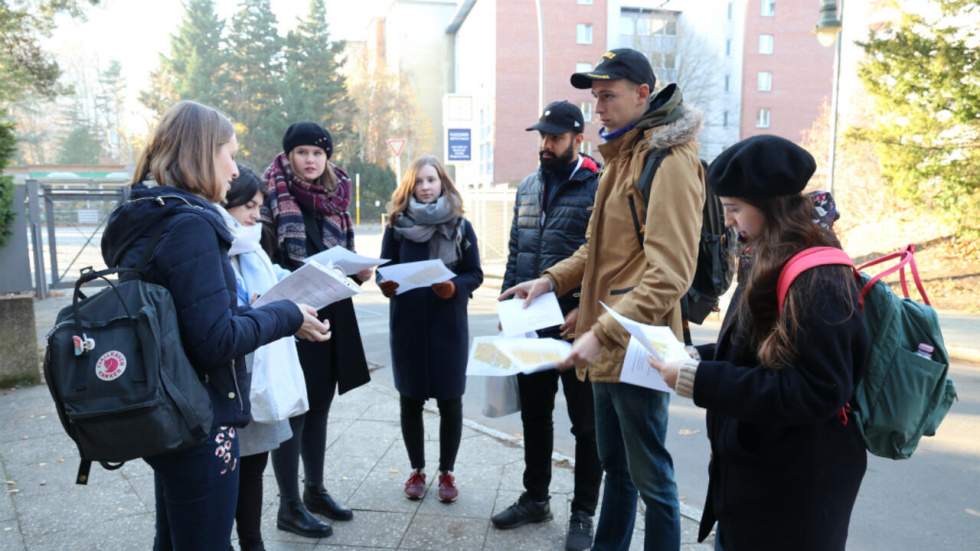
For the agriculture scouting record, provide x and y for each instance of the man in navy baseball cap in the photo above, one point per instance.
(621, 63)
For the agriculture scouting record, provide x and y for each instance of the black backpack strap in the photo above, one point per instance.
(655, 157)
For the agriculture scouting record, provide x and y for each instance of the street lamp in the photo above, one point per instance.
(828, 27)
(829, 24)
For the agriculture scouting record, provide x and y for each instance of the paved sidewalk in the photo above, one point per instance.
(42, 509)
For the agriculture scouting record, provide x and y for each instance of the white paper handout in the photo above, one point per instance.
(637, 370)
(313, 284)
(349, 262)
(412, 275)
(645, 340)
(543, 312)
(501, 356)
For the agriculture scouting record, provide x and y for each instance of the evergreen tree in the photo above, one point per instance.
(195, 61)
(254, 82)
(315, 89)
(82, 145)
(922, 73)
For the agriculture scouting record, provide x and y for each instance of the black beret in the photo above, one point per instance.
(307, 133)
(760, 167)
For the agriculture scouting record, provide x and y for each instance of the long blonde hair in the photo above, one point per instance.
(405, 189)
(182, 149)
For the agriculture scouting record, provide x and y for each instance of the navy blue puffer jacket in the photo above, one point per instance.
(191, 261)
(539, 242)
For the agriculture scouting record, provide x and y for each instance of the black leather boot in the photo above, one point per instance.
(317, 500)
(525, 510)
(293, 517)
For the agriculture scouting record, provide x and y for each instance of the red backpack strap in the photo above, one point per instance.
(906, 258)
(805, 260)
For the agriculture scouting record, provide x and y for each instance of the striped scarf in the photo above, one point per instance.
(288, 196)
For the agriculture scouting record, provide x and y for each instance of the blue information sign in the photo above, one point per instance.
(459, 144)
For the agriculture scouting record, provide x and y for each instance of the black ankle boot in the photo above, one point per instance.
(293, 517)
(319, 501)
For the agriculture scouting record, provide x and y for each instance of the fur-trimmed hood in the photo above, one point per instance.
(672, 123)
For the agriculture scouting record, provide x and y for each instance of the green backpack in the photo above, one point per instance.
(903, 395)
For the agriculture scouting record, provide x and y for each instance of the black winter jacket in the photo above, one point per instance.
(191, 261)
(539, 242)
(785, 469)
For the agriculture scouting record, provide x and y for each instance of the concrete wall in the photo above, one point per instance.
(15, 267)
(18, 340)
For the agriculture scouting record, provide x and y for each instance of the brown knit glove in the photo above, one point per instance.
(388, 288)
(444, 290)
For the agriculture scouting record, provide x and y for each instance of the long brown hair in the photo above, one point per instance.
(405, 189)
(788, 229)
(181, 151)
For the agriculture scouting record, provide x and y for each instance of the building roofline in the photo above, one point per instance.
(460, 17)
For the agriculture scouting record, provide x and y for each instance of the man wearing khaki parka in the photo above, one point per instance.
(643, 281)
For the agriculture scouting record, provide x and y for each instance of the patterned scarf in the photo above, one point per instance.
(289, 195)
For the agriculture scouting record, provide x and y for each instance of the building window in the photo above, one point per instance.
(728, 47)
(584, 2)
(764, 118)
(768, 8)
(587, 111)
(586, 147)
(766, 44)
(765, 81)
(724, 119)
(728, 83)
(583, 33)
(583, 67)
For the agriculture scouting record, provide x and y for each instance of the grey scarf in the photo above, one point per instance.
(434, 223)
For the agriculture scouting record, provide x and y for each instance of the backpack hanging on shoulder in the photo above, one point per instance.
(903, 395)
(121, 382)
(716, 253)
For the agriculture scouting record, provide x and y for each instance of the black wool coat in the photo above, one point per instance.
(541, 238)
(785, 470)
(191, 261)
(341, 360)
(429, 336)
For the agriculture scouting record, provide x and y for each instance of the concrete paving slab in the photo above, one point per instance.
(125, 532)
(382, 495)
(439, 532)
(472, 502)
(10, 538)
(372, 529)
(89, 506)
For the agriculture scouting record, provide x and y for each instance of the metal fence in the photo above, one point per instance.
(66, 220)
(491, 213)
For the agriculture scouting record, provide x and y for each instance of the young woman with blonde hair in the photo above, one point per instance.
(170, 219)
(429, 336)
(308, 212)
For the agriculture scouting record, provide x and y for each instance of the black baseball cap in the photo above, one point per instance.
(621, 63)
(560, 117)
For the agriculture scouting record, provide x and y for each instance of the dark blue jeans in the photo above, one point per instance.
(196, 494)
(631, 425)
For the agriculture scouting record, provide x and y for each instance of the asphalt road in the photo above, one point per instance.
(931, 501)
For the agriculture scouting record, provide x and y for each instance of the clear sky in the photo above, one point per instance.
(135, 32)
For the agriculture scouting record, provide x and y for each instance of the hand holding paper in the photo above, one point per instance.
(312, 284)
(412, 275)
(516, 319)
(647, 341)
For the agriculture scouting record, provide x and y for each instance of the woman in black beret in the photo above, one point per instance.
(306, 212)
(786, 465)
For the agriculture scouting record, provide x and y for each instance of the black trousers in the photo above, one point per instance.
(537, 394)
(450, 431)
(309, 441)
(249, 514)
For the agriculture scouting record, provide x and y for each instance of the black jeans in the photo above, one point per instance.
(309, 440)
(537, 394)
(450, 431)
(249, 514)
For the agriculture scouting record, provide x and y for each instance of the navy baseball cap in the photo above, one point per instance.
(560, 117)
(621, 63)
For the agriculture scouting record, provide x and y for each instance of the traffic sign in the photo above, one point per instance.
(396, 145)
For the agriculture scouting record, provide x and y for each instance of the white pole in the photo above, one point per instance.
(537, 9)
(834, 104)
